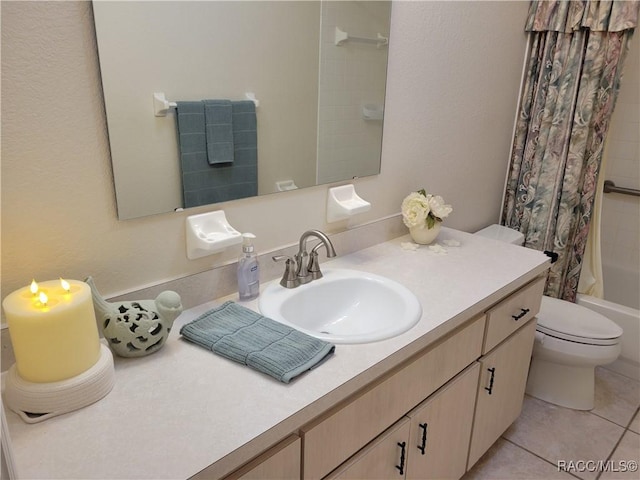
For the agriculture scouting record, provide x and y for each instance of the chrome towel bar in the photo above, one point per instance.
(610, 187)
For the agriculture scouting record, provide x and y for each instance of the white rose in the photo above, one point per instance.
(415, 208)
(438, 207)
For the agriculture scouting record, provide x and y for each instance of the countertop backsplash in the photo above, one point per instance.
(221, 281)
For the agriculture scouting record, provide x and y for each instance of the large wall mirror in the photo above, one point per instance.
(316, 68)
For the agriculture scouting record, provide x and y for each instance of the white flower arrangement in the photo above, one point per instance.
(420, 208)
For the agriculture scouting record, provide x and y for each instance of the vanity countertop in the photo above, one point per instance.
(182, 409)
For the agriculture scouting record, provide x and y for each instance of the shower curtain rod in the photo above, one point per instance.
(610, 187)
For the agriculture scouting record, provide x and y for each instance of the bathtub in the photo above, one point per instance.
(629, 320)
(621, 285)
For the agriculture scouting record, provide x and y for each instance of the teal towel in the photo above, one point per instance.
(244, 336)
(218, 116)
(191, 133)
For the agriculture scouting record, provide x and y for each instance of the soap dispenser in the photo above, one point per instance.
(248, 269)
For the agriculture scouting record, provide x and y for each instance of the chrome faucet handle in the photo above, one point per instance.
(314, 264)
(289, 278)
(303, 274)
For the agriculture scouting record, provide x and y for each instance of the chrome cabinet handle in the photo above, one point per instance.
(402, 453)
(523, 312)
(423, 446)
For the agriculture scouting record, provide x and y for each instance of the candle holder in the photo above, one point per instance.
(36, 402)
(61, 365)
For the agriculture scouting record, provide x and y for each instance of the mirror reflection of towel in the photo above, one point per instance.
(204, 182)
(191, 133)
(218, 115)
(245, 142)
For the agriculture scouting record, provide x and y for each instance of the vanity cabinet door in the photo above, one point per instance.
(503, 378)
(281, 462)
(441, 429)
(385, 458)
(336, 436)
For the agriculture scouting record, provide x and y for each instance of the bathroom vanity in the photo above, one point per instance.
(424, 404)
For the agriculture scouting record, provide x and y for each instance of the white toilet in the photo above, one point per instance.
(571, 341)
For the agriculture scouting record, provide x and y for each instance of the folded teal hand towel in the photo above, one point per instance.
(218, 115)
(242, 335)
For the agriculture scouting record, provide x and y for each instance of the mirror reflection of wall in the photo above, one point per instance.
(352, 87)
(193, 51)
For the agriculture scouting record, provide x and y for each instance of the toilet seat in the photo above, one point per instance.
(568, 321)
(576, 338)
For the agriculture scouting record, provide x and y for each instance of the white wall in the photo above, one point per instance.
(620, 232)
(454, 70)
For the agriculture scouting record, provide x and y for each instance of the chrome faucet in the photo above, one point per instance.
(311, 270)
(304, 268)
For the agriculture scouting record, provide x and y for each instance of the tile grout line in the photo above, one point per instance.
(624, 432)
(628, 424)
(604, 367)
(538, 456)
(615, 446)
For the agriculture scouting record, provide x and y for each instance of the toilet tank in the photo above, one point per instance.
(502, 234)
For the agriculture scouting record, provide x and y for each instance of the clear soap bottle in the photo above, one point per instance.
(248, 269)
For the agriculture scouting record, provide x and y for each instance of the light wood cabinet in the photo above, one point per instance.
(383, 459)
(430, 442)
(334, 437)
(281, 462)
(512, 313)
(441, 430)
(503, 378)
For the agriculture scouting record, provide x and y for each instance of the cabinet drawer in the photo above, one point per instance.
(512, 313)
(335, 437)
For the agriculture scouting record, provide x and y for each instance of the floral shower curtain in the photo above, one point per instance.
(577, 50)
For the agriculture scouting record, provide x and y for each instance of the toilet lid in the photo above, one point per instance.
(567, 320)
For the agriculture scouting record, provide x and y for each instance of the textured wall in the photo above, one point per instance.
(454, 73)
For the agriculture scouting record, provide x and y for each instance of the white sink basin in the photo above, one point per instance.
(345, 306)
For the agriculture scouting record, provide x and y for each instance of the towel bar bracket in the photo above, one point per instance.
(161, 105)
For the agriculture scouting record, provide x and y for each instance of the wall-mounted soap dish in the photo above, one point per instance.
(373, 111)
(286, 185)
(343, 202)
(209, 233)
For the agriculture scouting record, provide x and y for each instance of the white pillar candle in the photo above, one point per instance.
(53, 330)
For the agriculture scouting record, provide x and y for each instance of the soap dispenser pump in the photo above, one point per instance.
(248, 269)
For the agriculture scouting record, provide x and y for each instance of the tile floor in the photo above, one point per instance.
(547, 437)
